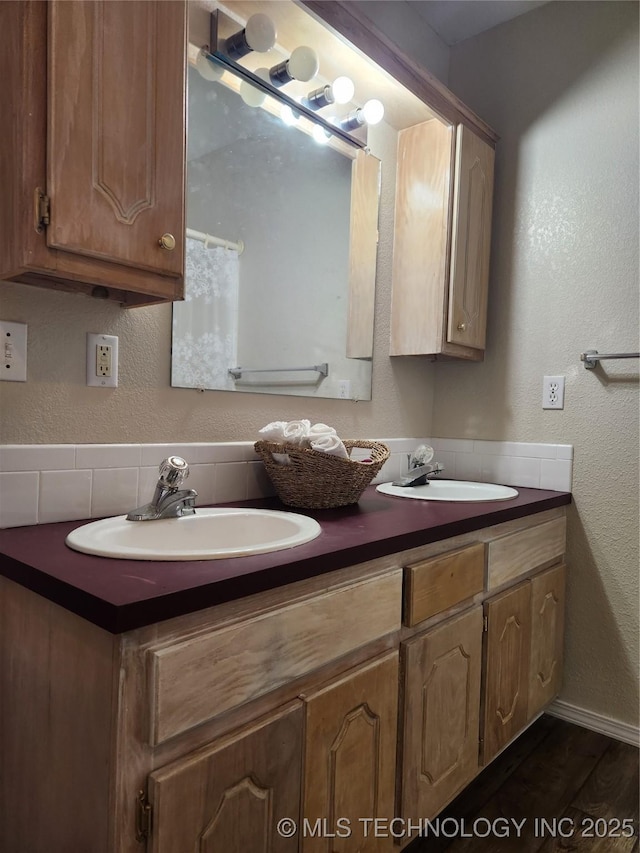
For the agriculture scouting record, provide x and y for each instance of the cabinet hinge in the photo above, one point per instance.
(485, 623)
(42, 209)
(144, 814)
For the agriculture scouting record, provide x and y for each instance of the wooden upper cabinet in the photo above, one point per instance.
(442, 232)
(99, 91)
(115, 132)
(471, 241)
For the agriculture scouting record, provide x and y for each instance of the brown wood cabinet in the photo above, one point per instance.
(286, 704)
(442, 235)
(441, 713)
(93, 172)
(523, 656)
(225, 795)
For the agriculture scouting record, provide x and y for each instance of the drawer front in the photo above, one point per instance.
(434, 585)
(195, 680)
(515, 555)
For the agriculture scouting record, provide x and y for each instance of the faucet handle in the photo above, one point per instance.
(173, 471)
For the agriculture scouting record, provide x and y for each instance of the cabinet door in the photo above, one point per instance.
(471, 240)
(441, 713)
(350, 757)
(506, 672)
(230, 795)
(547, 637)
(116, 131)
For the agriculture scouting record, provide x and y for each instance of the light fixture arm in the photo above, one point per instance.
(244, 74)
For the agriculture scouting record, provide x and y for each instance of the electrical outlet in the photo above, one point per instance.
(553, 392)
(13, 340)
(344, 389)
(102, 360)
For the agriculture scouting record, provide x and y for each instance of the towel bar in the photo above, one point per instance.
(591, 357)
(236, 372)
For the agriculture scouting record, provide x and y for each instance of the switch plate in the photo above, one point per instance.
(553, 392)
(102, 360)
(14, 351)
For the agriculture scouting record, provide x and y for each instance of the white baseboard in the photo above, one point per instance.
(596, 722)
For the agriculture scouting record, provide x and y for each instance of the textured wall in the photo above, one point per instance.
(560, 85)
(55, 406)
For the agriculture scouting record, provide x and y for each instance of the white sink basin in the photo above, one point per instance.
(210, 534)
(451, 490)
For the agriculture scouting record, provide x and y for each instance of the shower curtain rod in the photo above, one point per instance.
(210, 240)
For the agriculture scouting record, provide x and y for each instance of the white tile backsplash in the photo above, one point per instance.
(64, 495)
(45, 483)
(19, 498)
(115, 491)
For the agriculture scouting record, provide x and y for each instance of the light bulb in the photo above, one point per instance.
(373, 111)
(320, 135)
(250, 94)
(343, 90)
(260, 33)
(207, 69)
(303, 63)
(288, 116)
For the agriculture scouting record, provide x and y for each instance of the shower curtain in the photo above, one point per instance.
(205, 325)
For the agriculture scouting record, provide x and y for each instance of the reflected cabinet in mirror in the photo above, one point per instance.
(280, 252)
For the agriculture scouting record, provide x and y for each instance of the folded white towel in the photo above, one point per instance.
(320, 429)
(330, 444)
(273, 431)
(297, 431)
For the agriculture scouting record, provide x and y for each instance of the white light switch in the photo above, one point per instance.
(14, 351)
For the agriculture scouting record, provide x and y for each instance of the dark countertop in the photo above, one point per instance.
(120, 595)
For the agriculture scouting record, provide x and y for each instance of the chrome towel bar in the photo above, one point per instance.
(236, 372)
(591, 357)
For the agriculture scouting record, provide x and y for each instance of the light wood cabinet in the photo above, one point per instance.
(350, 758)
(523, 656)
(506, 670)
(291, 703)
(94, 169)
(225, 796)
(442, 235)
(441, 713)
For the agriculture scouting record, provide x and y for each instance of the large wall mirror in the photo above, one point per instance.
(280, 259)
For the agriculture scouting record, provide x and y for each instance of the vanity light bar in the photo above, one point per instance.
(243, 73)
(229, 65)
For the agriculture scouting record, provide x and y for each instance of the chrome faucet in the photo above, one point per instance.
(420, 468)
(169, 500)
(420, 475)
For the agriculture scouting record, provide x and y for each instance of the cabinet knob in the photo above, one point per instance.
(168, 242)
(462, 327)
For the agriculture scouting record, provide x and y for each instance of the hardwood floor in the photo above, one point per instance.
(558, 788)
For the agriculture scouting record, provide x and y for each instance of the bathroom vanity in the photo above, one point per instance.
(370, 673)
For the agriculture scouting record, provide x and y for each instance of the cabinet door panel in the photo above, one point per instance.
(506, 674)
(547, 635)
(441, 713)
(350, 756)
(230, 795)
(473, 200)
(116, 130)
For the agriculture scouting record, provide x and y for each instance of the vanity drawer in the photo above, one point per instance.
(518, 553)
(196, 679)
(435, 585)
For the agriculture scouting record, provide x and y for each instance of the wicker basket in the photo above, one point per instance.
(316, 480)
